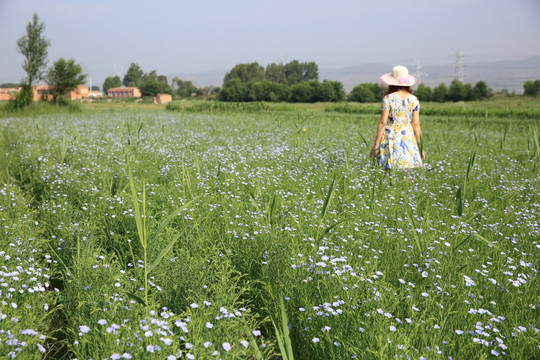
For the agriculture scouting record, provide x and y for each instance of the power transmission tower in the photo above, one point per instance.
(458, 68)
(418, 71)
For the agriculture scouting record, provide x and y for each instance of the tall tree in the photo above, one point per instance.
(531, 88)
(111, 82)
(275, 72)
(133, 75)
(293, 72)
(440, 93)
(245, 73)
(64, 76)
(34, 47)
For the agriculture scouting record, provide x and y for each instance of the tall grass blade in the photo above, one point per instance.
(327, 199)
(283, 335)
(459, 202)
(136, 209)
(170, 217)
(163, 252)
(489, 243)
(417, 239)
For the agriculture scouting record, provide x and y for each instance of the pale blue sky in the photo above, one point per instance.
(192, 36)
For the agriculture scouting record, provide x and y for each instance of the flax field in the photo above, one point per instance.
(260, 233)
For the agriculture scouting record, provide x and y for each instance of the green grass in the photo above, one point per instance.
(265, 235)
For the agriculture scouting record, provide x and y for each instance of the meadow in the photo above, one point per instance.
(267, 232)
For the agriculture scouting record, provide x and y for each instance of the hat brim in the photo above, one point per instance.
(388, 80)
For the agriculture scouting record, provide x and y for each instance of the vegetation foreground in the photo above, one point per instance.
(131, 234)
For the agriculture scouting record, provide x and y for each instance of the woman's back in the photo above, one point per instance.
(400, 107)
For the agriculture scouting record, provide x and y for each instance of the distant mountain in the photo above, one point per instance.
(504, 74)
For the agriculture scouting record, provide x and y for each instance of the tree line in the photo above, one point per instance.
(457, 91)
(151, 84)
(294, 82)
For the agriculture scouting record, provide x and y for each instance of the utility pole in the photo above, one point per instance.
(458, 68)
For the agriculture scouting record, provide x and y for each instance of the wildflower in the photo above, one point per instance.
(166, 341)
(171, 357)
(337, 343)
(150, 348)
(194, 306)
(102, 322)
(226, 346)
(115, 356)
(148, 333)
(459, 332)
(256, 333)
(207, 344)
(84, 329)
(315, 340)
(209, 325)
(393, 328)
(244, 343)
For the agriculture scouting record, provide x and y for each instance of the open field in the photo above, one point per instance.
(132, 232)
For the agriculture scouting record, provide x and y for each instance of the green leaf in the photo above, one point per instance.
(136, 298)
(167, 248)
(170, 217)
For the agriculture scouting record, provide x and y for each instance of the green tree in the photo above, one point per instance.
(246, 73)
(459, 91)
(423, 92)
(184, 88)
(133, 75)
(331, 91)
(64, 76)
(34, 47)
(111, 82)
(362, 93)
(440, 93)
(275, 72)
(480, 91)
(531, 88)
(302, 92)
(310, 71)
(293, 72)
(234, 90)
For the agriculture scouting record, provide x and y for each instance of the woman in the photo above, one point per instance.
(398, 133)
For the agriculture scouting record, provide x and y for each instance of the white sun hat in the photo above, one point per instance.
(398, 77)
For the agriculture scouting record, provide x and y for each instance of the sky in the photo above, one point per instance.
(180, 37)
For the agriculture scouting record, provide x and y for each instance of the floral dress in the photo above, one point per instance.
(398, 147)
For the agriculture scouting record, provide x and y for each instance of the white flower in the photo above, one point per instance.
(244, 343)
(315, 340)
(393, 328)
(209, 325)
(226, 346)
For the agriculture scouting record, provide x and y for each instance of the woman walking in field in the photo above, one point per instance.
(398, 133)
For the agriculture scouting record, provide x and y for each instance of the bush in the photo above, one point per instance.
(24, 98)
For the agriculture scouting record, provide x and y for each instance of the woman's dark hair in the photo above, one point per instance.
(394, 88)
